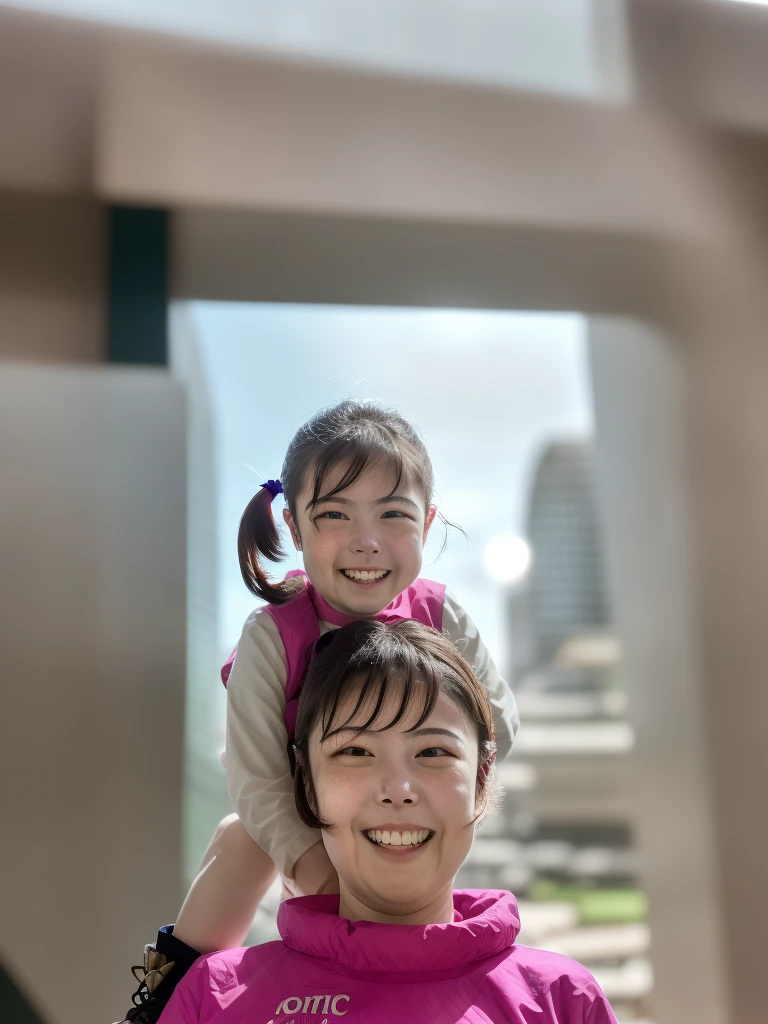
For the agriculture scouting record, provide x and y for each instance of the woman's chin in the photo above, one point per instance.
(410, 901)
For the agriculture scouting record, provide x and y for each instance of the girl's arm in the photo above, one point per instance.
(258, 770)
(462, 630)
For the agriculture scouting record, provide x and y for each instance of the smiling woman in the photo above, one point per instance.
(393, 762)
(394, 750)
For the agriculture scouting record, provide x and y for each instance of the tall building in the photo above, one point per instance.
(566, 591)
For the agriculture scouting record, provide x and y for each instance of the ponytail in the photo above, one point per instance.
(257, 538)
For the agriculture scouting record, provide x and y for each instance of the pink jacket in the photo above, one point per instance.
(327, 970)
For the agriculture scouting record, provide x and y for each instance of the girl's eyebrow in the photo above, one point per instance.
(324, 501)
(401, 499)
(387, 500)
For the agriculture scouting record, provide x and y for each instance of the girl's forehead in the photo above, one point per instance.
(379, 475)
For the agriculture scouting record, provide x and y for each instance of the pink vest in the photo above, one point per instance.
(298, 623)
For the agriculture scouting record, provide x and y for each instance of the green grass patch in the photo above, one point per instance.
(596, 906)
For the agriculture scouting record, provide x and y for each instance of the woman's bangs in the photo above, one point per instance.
(383, 697)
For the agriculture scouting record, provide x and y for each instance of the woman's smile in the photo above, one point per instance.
(399, 840)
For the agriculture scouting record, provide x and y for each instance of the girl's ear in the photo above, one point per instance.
(431, 513)
(295, 535)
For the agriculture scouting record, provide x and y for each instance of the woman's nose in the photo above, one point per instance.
(397, 792)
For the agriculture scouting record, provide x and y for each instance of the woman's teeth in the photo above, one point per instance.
(384, 838)
(365, 574)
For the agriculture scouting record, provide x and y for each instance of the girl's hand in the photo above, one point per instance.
(314, 874)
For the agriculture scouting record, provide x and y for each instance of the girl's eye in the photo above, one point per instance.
(394, 514)
(331, 514)
(435, 752)
(354, 752)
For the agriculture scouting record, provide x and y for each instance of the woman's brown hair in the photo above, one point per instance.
(352, 435)
(393, 669)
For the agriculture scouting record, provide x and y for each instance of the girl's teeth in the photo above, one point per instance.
(365, 575)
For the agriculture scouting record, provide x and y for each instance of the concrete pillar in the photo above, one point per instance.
(92, 643)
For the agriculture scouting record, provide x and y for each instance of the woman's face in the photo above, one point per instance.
(402, 806)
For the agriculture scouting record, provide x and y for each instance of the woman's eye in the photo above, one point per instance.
(435, 752)
(354, 752)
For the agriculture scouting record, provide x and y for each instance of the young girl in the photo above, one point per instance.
(358, 485)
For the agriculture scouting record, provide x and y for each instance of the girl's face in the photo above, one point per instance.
(401, 805)
(363, 546)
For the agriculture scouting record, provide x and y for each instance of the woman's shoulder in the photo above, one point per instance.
(550, 979)
(230, 969)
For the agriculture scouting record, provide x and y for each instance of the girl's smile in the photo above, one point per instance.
(366, 575)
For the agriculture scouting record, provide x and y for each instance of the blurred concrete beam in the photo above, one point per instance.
(705, 58)
(255, 256)
(49, 80)
(195, 127)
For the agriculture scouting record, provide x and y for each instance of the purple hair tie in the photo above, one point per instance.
(274, 487)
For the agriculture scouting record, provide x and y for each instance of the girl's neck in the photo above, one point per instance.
(327, 613)
(437, 911)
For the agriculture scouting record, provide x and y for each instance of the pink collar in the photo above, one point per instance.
(324, 611)
(485, 924)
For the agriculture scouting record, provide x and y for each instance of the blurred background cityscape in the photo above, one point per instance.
(539, 229)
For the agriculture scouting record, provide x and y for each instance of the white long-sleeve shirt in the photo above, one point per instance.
(258, 770)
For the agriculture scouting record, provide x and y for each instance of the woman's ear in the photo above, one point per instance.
(431, 513)
(489, 793)
(290, 523)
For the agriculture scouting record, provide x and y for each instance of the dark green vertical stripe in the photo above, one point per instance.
(138, 286)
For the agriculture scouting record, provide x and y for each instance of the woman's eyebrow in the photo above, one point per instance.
(434, 731)
(427, 731)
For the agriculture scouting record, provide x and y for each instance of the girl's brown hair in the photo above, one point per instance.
(394, 669)
(354, 435)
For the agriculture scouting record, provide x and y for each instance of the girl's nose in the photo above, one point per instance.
(365, 544)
